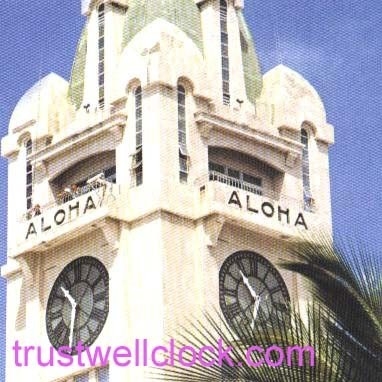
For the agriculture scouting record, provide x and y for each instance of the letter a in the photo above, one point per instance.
(234, 199)
(31, 230)
(300, 221)
(89, 204)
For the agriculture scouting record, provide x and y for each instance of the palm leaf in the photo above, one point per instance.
(344, 278)
(342, 323)
(330, 364)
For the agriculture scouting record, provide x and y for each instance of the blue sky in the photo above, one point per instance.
(334, 44)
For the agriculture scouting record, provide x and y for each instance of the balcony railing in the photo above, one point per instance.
(71, 194)
(234, 182)
(104, 187)
(287, 200)
(244, 203)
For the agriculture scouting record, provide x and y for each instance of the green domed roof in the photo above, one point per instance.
(252, 73)
(77, 78)
(182, 13)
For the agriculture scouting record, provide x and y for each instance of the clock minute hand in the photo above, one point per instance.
(72, 315)
(72, 319)
(256, 297)
(246, 282)
(255, 311)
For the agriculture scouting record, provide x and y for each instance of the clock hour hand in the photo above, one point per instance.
(69, 297)
(246, 282)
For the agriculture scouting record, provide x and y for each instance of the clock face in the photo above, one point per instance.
(252, 290)
(78, 304)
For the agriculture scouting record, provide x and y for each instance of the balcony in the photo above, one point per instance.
(72, 214)
(215, 176)
(249, 205)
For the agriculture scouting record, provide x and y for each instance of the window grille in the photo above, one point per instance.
(224, 52)
(307, 194)
(29, 174)
(101, 56)
(182, 135)
(137, 162)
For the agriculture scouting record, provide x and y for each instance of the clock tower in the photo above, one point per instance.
(165, 178)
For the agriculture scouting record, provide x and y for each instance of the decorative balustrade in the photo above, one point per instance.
(215, 176)
(234, 182)
(104, 187)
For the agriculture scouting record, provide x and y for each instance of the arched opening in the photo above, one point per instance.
(244, 172)
(182, 134)
(101, 56)
(309, 202)
(84, 176)
(29, 174)
(224, 51)
(137, 162)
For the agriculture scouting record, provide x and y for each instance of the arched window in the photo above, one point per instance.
(224, 52)
(308, 200)
(101, 56)
(182, 134)
(138, 155)
(29, 174)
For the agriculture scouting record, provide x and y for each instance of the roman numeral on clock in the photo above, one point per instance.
(241, 266)
(97, 280)
(54, 315)
(97, 314)
(99, 297)
(236, 278)
(77, 273)
(275, 289)
(230, 293)
(253, 268)
(234, 309)
(61, 332)
(66, 282)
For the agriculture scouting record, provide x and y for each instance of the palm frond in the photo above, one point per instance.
(344, 278)
(332, 362)
(342, 323)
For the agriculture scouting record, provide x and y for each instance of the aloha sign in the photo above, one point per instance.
(267, 209)
(63, 214)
